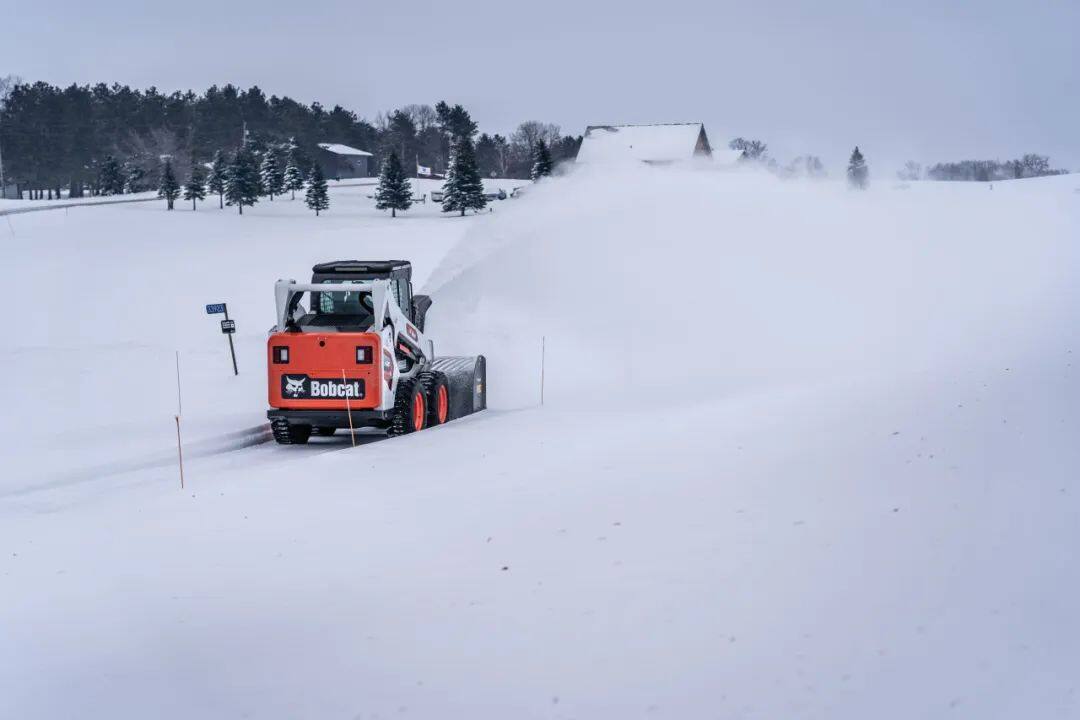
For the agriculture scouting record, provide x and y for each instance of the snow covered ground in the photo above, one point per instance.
(803, 453)
(113, 293)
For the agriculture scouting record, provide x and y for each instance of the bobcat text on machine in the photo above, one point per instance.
(356, 356)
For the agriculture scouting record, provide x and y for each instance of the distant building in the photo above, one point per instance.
(10, 191)
(654, 144)
(339, 162)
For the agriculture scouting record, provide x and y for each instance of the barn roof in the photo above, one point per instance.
(657, 143)
(339, 149)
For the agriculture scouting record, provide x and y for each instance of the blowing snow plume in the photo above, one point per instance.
(689, 280)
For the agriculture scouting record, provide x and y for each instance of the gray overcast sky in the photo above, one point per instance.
(920, 79)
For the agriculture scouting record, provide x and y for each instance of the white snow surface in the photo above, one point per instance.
(803, 453)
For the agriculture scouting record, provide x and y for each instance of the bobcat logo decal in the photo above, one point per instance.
(305, 387)
(294, 386)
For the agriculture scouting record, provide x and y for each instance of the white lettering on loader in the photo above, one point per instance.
(332, 389)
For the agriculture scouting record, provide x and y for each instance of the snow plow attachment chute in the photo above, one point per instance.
(468, 383)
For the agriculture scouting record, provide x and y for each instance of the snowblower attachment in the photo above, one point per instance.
(468, 380)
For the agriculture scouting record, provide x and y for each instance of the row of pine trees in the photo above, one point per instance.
(244, 177)
(463, 189)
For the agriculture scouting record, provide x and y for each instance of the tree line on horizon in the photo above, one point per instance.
(249, 174)
(54, 138)
(810, 166)
(1028, 166)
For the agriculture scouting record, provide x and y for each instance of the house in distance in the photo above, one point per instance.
(654, 144)
(339, 162)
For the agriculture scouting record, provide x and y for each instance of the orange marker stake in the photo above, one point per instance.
(348, 410)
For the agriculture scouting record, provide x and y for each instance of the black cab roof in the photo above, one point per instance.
(363, 269)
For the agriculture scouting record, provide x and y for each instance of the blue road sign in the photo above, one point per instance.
(215, 309)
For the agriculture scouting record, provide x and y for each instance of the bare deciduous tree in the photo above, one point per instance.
(911, 171)
(423, 116)
(529, 132)
(7, 84)
(749, 150)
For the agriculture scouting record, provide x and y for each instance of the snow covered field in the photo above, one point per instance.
(804, 453)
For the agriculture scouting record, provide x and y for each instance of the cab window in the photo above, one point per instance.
(403, 289)
(344, 302)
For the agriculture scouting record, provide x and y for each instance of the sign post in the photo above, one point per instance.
(228, 327)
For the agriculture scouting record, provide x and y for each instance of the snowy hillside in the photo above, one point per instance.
(803, 453)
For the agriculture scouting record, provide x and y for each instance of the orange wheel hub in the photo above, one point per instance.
(418, 411)
(442, 404)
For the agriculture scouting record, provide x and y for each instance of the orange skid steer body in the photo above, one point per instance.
(331, 372)
(356, 356)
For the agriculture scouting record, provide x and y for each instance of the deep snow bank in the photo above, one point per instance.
(673, 278)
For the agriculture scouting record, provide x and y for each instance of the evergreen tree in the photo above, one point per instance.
(219, 174)
(463, 189)
(255, 149)
(394, 191)
(110, 178)
(541, 160)
(271, 173)
(857, 171)
(293, 177)
(242, 186)
(455, 122)
(298, 157)
(295, 168)
(195, 189)
(317, 197)
(487, 155)
(168, 187)
(400, 135)
(134, 178)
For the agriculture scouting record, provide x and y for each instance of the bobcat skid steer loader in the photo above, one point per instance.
(356, 356)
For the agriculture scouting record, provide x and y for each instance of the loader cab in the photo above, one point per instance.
(398, 272)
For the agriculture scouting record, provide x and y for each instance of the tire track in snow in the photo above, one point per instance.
(230, 442)
(233, 442)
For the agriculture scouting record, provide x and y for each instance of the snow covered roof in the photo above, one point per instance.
(648, 143)
(339, 149)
